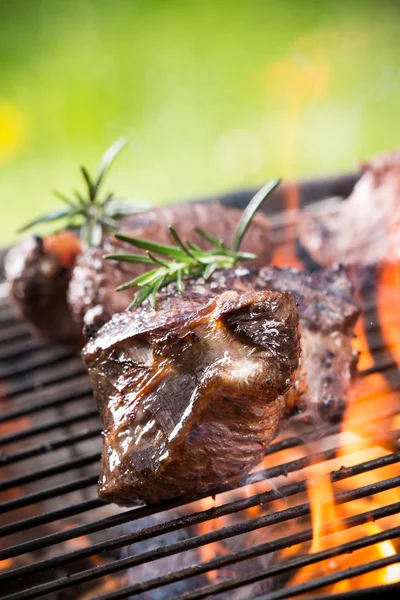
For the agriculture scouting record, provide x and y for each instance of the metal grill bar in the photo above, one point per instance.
(44, 377)
(39, 390)
(202, 540)
(189, 520)
(69, 395)
(49, 517)
(18, 330)
(18, 348)
(321, 582)
(63, 467)
(371, 592)
(52, 446)
(139, 513)
(242, 555)
(44, 357)
(53, 492)
(45, 428)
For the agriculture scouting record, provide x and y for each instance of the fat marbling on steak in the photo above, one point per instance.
(212, 372)
(190, 394)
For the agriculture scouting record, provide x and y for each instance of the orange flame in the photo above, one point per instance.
(368, 396)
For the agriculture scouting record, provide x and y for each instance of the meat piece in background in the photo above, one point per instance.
(42, 272)
(38, 271)
(91, 294)
(363, 230)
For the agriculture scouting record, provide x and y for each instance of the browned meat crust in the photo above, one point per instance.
(38, 280)
(190, 394)
(91, 294)
(146, 365)
(364, 229)
(328, 362)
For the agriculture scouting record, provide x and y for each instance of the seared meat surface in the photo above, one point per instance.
(191, 393)
(91, 294)
(41, 273)
(364, 229)
(212, 372)
(38, 273)
(328, 315)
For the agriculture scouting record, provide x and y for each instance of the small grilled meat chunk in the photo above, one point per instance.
(38, 273)
(190, 394)
(328, 315)
(91, 294)
(364, 229)
(328, 362)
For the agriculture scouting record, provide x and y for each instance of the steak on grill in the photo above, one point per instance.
(364, 229)
(212, 373)
(41, 273)
(190, 393)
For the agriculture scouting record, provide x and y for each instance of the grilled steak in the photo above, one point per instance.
(38, 272)
(211, 372)
(91, 294)
(364, 229)
(41, 272)
(190, 393)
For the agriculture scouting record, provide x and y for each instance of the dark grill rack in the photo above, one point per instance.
(59, 541)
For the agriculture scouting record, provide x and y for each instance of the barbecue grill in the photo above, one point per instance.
(58, 540)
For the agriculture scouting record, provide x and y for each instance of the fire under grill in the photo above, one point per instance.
(59, 541)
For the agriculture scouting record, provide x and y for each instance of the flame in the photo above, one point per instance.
(302, 81)
(360, 426)
(215, 549)
(388, 298)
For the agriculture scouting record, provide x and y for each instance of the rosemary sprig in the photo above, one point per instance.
(185, 258)
(91, 212)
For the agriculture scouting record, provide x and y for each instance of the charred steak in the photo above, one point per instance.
(91, 294)
(364, 229)
(42, 272)
(191, 393)
(211, 372)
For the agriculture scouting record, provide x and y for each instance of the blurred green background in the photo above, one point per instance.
(214, 95)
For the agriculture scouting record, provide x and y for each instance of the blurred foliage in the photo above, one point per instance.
(213, 95)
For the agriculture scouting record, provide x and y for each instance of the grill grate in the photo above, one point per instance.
(58, 540)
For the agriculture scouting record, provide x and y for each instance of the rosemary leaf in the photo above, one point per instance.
(108, 158)
(140, 297)
(187, 259)
(52, 216)
(163, 249)
(156, 260)
(140, 280)
(209, 238)
(179, 282)
(178, 240)
(91, 186)
(157, 285)
(88, 210)
(209, 270)
(251, 209)
(135, 258)
(63, 198)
